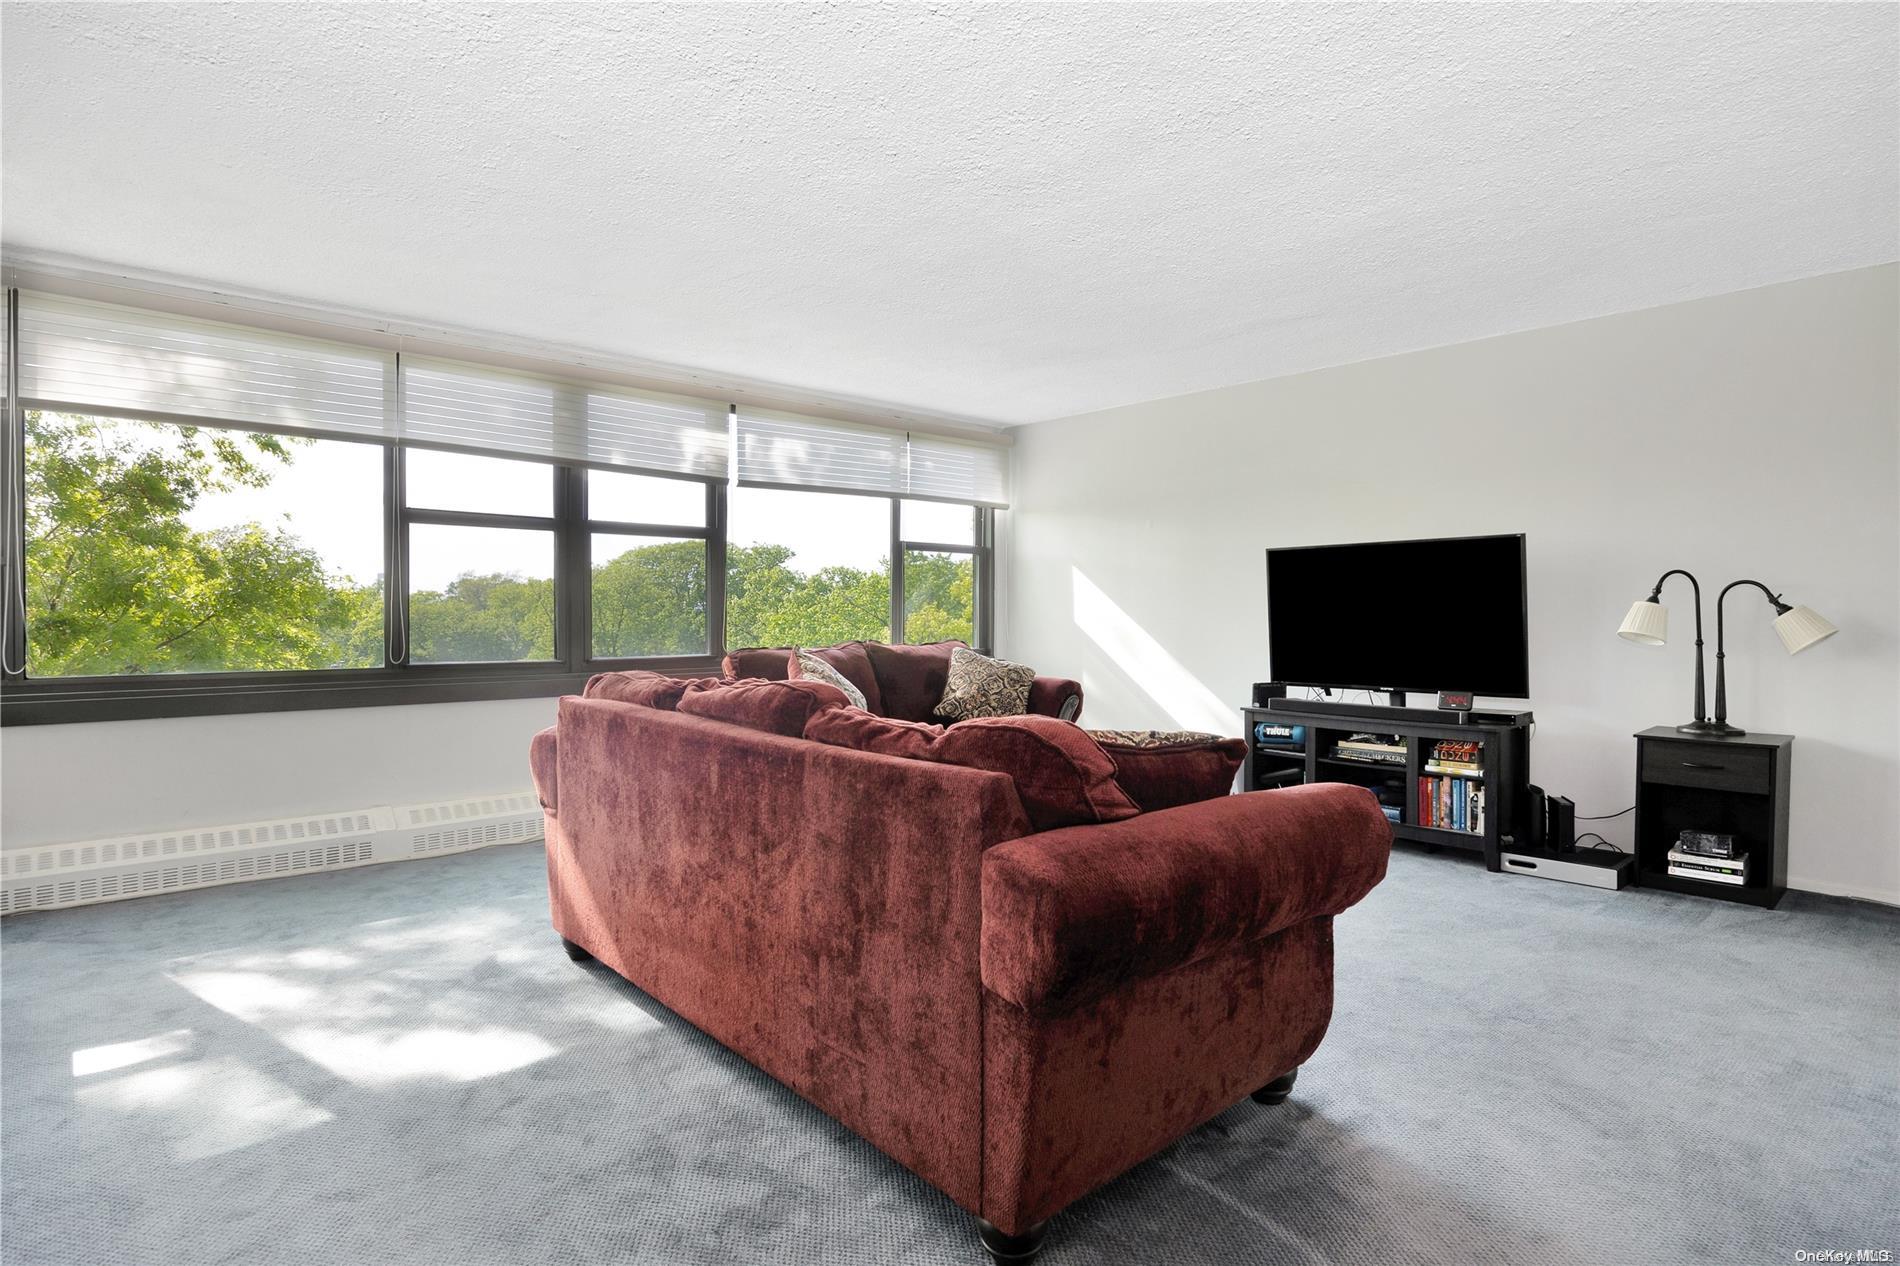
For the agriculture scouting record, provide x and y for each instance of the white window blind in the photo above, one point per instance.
(784, 450)
(472, 407)
(79, 354)
(941, 469)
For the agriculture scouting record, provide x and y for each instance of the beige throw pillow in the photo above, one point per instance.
(812, 668)
(979, 686)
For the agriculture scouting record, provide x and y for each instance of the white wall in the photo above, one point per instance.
(1754, 434)
(61, 783)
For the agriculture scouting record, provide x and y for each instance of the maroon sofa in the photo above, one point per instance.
(1018, 1016)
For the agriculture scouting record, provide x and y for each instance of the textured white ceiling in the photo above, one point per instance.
(1004, 212)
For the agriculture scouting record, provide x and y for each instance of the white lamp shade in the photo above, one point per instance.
(1647, 622)
(1801, 628)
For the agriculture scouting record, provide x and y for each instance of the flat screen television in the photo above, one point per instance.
(1445, 614)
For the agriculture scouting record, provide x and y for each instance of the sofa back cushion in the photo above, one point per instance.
(649, 690)
(1062, 777)
(777, 707)
(851, 662)
(771, 663)
(863, 731)
(910, 679)
(1160, 769)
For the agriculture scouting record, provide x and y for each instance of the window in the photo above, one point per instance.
(480, 582)
(939, 571)
(807, 568)
(205, 517)
(648, 553)
(156, 548)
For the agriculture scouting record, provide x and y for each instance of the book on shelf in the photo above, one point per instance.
(1368, 745)
(1466, 771)
(1368, 758)
(1467, 752)
(1451, 804)
(1708, 876)
(1702, 864)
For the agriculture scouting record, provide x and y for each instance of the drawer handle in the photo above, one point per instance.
(1690, 764)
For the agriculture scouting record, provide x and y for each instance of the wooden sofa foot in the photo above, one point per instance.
(574, 951)
(1012, 1248)
(1276, 1090)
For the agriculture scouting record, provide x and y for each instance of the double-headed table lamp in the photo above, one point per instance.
(1648, 623)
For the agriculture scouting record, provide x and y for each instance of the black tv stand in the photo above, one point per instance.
(1503, 764)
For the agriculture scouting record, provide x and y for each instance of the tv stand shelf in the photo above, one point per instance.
(1503, 740)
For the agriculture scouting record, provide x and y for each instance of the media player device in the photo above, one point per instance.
(1595, 867)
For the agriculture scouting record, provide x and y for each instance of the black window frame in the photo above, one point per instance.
(26, 700)
(980, 550)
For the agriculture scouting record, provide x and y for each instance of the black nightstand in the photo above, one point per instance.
(1732, 786)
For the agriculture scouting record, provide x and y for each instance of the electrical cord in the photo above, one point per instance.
(1605, 817)
(1601, 844)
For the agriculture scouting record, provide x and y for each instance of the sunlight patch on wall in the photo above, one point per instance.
(1144, 661)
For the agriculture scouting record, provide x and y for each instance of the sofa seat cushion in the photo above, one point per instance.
(979, 686)
(777, 707)
(910, 679)
(850, 661)
(647, 689)
(1062, 777)
(1160, 769)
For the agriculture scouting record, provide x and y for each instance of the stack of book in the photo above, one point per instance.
(1456, 756)
(1371, 749)
(1451, 804)
(1710, 858)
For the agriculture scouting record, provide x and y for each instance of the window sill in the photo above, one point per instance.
(61, 702)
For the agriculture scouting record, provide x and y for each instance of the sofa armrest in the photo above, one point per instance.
(1056, 697)
(542, 751)
(1070, 915)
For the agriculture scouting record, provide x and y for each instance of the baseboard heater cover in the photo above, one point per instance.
(57, 875)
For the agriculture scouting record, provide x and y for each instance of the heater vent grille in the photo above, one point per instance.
(452, 825)
(74, 890)
(155, 845)
(169, 861)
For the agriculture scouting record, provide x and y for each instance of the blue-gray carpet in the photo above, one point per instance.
(397, 1065)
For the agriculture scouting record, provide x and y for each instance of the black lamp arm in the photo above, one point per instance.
(1721, 666)
(1655, 595)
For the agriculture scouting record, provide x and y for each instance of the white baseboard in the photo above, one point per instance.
(52, 876)
(1887, 897)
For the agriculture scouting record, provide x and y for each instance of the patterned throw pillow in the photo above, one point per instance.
(1152, 738)
(979, 686)
(812, 668)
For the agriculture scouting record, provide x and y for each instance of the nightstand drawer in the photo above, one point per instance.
(1718, 765)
